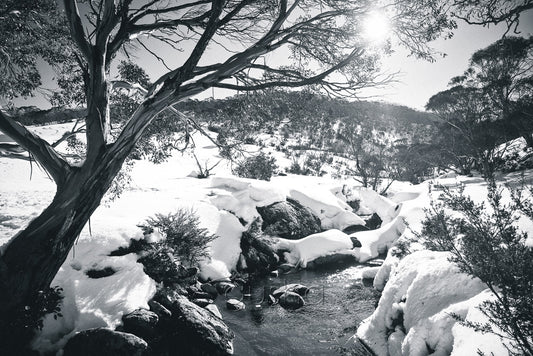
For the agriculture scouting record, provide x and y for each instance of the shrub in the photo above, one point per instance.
(185, 242)
(18, 328)
(485, 243)
(257, 167)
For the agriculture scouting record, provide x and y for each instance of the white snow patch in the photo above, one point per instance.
(313, 246)
(422, 285)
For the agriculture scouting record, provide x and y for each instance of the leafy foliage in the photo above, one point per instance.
(29, 30)
(485, 243)
(185, 241)
(256, 167)
(19, 327)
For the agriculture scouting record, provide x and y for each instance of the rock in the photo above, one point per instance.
(141, 322)
(209, 288)
(333, 260)
(274, 273)
(202, 302)
(293, 288)
(289, 219)
(105, 342)
(201, 295)
(287, 268)
(271, 300)
(234, 304)
(163, 269)
(198, 331)
(258, 252)
(375, 262)
(354, 228)
(291, 300)
(355, 242)
(160, 310)
(374, 222)
(224, 287)
(214, 310)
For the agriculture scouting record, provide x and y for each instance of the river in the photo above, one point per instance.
(337, 303)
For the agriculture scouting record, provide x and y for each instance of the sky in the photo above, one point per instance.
(416, 82)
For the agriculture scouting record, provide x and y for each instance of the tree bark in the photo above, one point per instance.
(32, 259)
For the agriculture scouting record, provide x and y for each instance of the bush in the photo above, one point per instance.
(257, 167)
(18, 328)
(485, 243)
(185, 243)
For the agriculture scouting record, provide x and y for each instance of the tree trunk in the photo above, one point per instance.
(32, 259)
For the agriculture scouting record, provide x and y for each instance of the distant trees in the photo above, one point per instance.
(490, 104)
(371, 152)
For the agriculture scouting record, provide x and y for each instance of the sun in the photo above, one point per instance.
(376, 27)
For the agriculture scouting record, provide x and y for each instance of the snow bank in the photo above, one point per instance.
(313, 246)
(241, 196)
(101, 302)
(466, 341)
(375, 203)
(378, 241)
(332, 211)
(421, 286)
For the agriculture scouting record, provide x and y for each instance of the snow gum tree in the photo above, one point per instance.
(212, 43)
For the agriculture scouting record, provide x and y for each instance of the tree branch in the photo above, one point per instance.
(54, 164)
(76, 27)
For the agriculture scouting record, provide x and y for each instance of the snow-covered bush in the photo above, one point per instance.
(257, 167)
(185, 241)
(485, 243)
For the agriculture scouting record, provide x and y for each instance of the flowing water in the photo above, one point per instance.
(337, 303)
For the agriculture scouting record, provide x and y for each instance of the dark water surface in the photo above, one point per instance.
(337, 303)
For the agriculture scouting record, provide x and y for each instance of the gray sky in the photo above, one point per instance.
(418, 79)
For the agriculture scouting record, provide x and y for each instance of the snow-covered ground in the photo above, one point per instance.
(423, 288)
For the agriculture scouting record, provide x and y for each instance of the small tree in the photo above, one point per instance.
(185, 242)
(257, 167)
(485, 243)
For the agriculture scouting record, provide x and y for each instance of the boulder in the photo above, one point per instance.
(354, 228)
(105, 342)
(355, 242)
(291, 300)
(201, 295)
(141, 322)
(289, 219)
(293, 288)
(160, 310)
(259, 252)
(332, 260)
(374, 222)
(214, 310)
(202, 302)
(210, 289)
(224, 287)
(196, 331)
(163, 269)
(234, 304)
(286, 268)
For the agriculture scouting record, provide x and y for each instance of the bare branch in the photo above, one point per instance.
(43, 152)
(76, 27)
